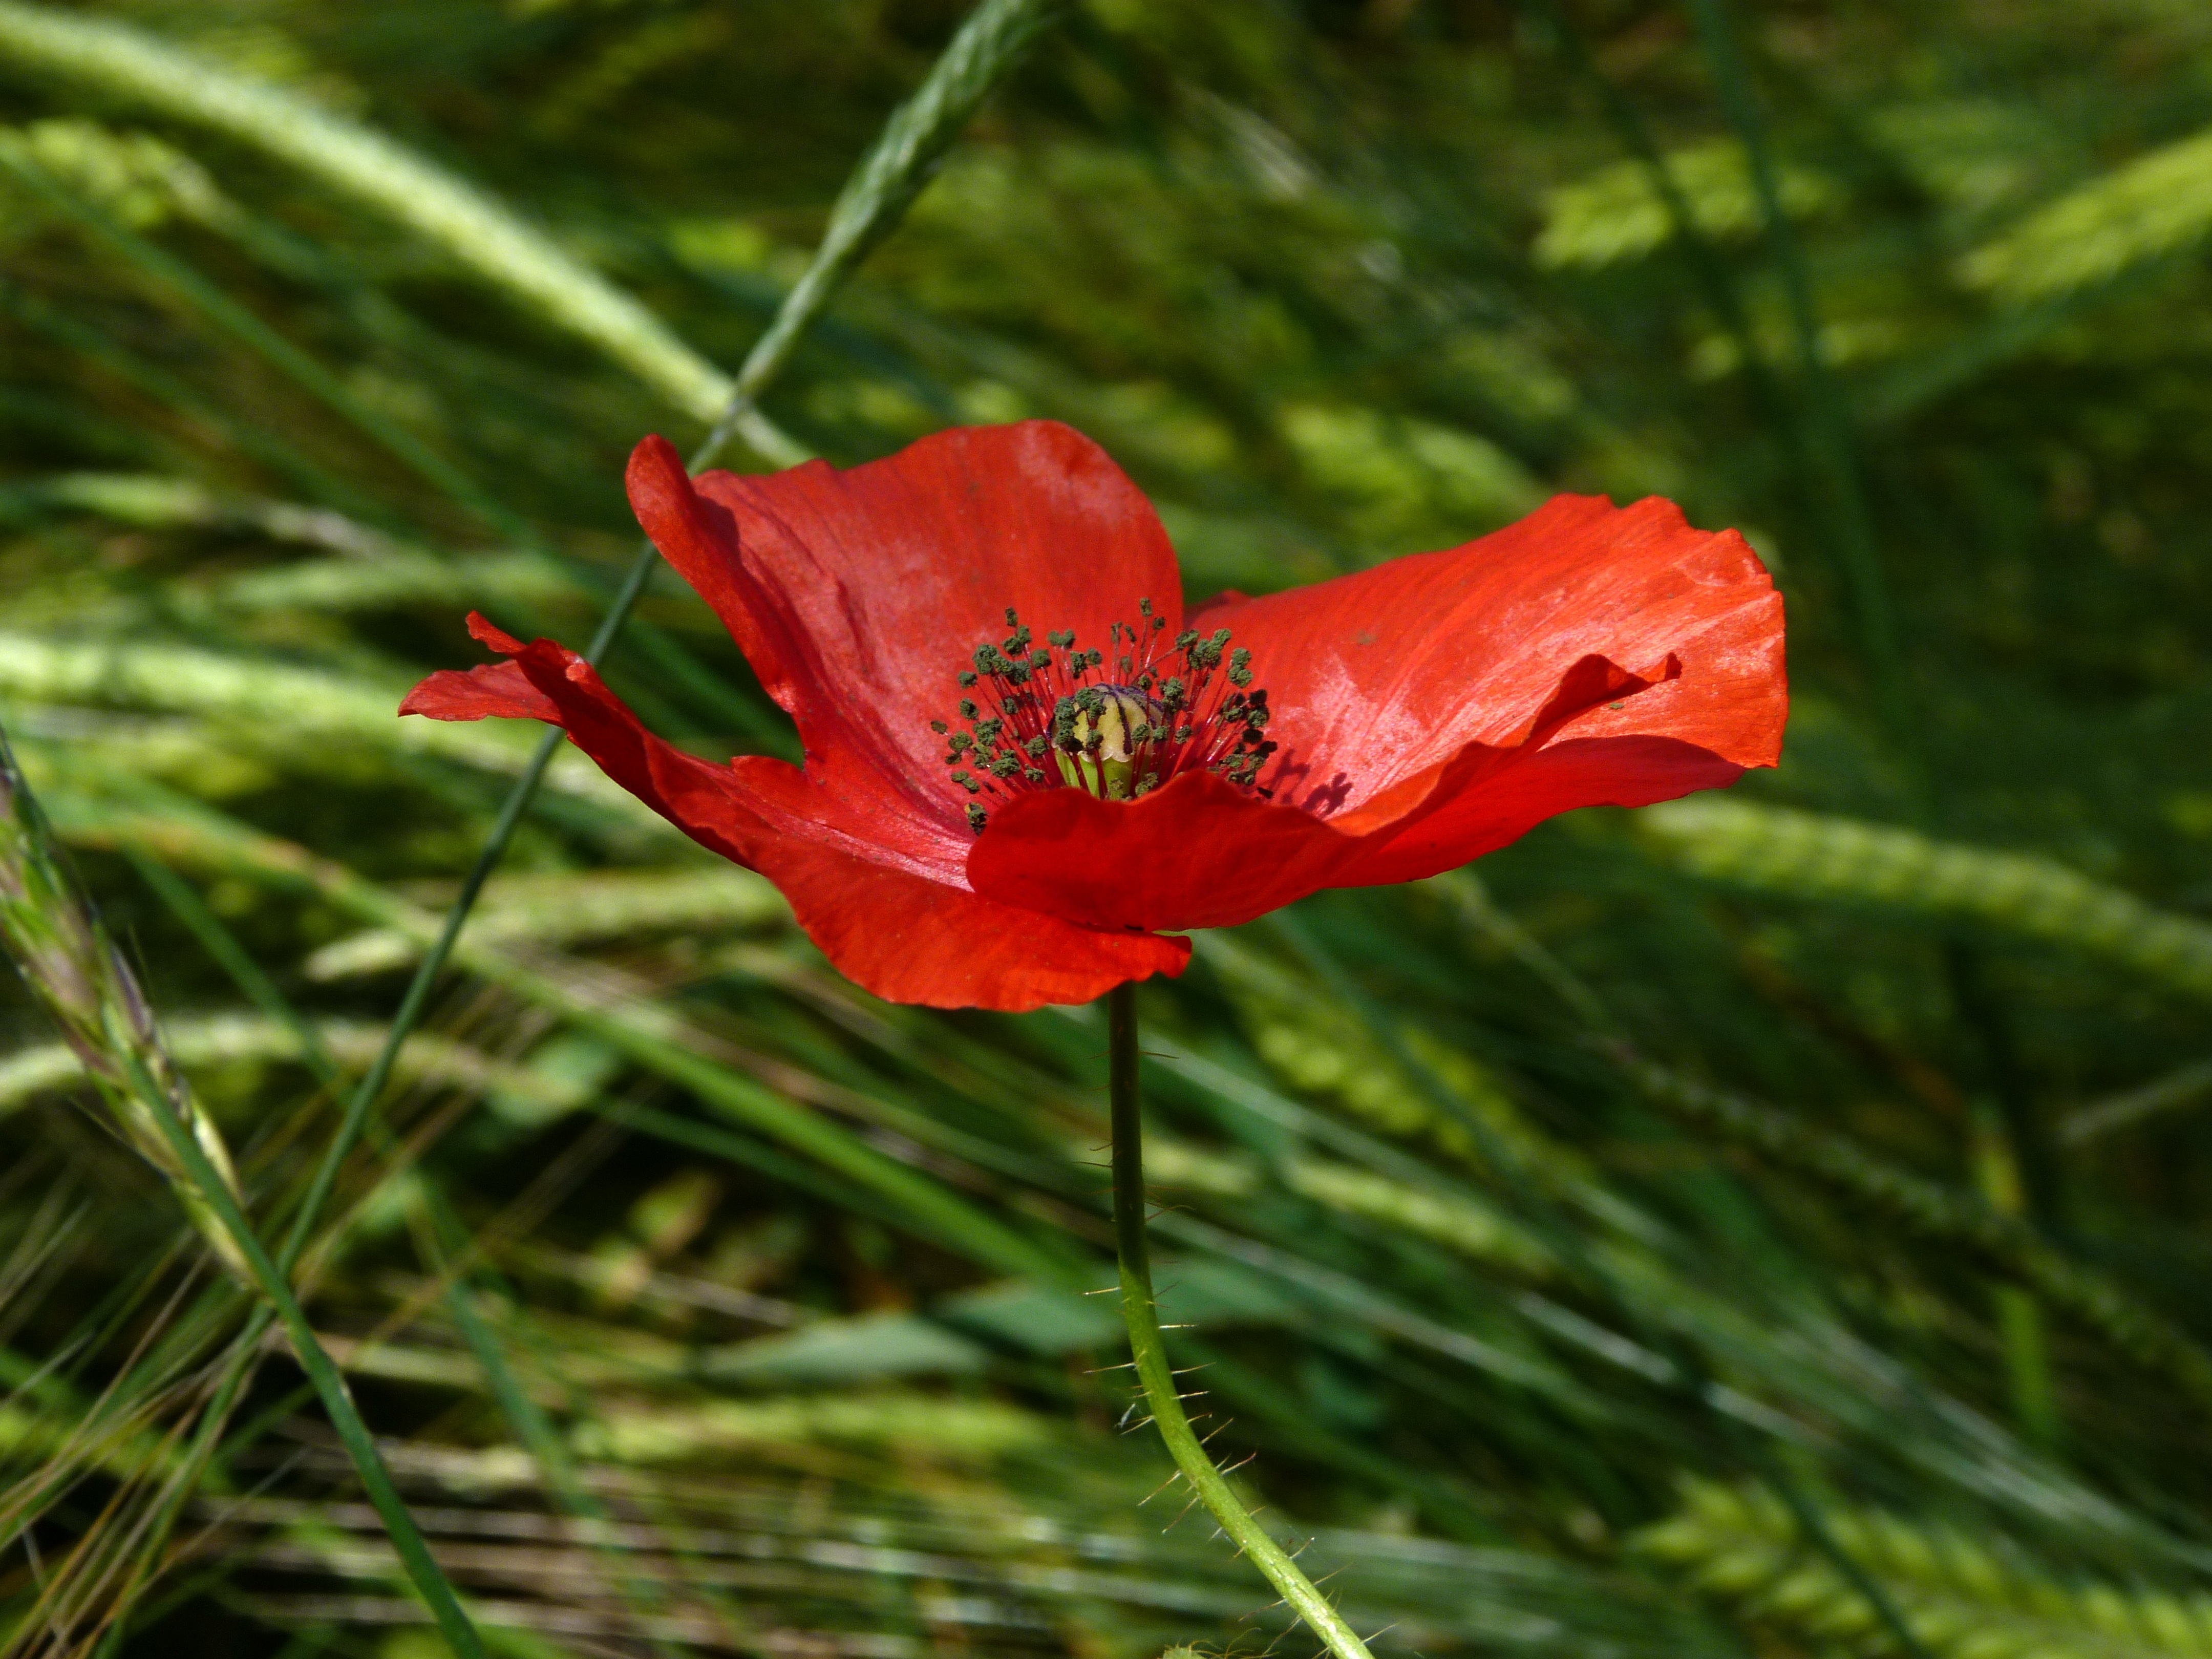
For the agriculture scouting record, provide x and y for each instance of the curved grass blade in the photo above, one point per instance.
(895, 172)
(204, 297)
(1826, 858)
(81, 978)
(898, 165)
(77, 973)
(468, 222)
(652, 1036)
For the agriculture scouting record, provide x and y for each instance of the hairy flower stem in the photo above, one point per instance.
(1149, 1347)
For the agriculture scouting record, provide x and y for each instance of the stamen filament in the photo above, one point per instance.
(1120, 737)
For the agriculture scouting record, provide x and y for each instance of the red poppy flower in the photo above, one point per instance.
(985, 821)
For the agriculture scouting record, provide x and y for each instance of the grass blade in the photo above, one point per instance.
(377, 171)
(51, 930)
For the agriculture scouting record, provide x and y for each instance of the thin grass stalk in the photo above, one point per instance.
(913, 143)
(220, 943)
(1706, 265)
(646, 1033)
(215, 1417)
(1688, 1374)
(531, 1428)
(73, 970)
(1998, 1243)
(447, 1248)
(1148, 1346)
(885, 186)
(407, 1540)
(76, 972)
(171, 392)
(241, 324)
(1880, 641)
(449, 212)
(2019, 1316)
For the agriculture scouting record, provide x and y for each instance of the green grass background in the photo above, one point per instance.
(1771, 1224)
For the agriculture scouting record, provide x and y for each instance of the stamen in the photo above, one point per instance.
(1119, 737)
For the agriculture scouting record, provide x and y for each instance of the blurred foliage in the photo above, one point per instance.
(1768, 1224)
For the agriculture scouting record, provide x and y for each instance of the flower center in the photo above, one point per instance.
(1116, 723)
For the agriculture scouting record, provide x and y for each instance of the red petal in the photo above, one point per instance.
(700, 538)
(1201, 853)
(907, 939)
(1198, 852)
(1376, 676)
(1431, 710)
(1475, 819)
(883, 896)
(497, 690)
(860, 595)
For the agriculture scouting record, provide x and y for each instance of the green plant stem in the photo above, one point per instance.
(338, 1400)
(903, 159)
(69, 959)
(1149, 1348)
(533, 1430)
(883, 186)
(417, 998)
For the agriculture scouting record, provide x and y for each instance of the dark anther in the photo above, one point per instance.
(1120, 733)
(976, 818)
